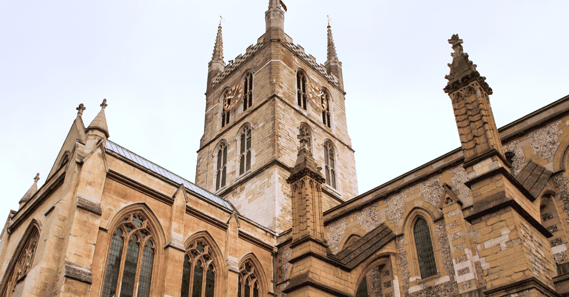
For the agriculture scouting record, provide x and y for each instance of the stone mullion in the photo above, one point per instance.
(141, 241)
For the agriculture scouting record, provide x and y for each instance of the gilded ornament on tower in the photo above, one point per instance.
(317, 96)
(233, 96)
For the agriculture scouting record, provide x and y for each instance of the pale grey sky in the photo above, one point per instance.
(149, 59)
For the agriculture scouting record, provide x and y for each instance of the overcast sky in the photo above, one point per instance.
(149, 59)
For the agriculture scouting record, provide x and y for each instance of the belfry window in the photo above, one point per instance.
(248, 92)
(330, 165)
(245, 160)
(23, 264)
(225, 114)
(198, 276)
(132, 253)
(301, 89)
(221, 166)
(424, 246)
(248, 281)
(325, 101)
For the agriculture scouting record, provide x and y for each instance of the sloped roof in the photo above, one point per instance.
(534, 177)
(167, 174)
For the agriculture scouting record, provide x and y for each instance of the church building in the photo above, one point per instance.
(274, 209)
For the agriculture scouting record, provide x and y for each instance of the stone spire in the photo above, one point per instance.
(216, 65)
(333, 64)
(462, 70)
(30, 193)
(100, 121)
(274, 19)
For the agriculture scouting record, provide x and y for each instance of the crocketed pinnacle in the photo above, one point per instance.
(218, 48)
(100, 121)
(462, 70)
(305, 163)
(30, 193)
(332, 57)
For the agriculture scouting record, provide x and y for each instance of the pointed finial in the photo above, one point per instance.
(220, 19)
(456, 45)
(80, 110)
(37, 178)
(218, 47)
(104, 104)
(328, 20)
(332, 56)
(462, 70)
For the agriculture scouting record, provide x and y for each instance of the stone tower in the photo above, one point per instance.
(256, 105)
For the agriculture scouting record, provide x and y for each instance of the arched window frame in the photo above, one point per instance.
(248, 90)
(326, 114)
(412, 257)
(134, 222)
(255, 276)
(245, 140)
(225, 115)
(330, 164)
(301, 82)
(198, 253)
(384, 262)
(221, 165)
(212, 257)
(22, 260)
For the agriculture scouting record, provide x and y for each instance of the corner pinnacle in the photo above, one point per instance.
(100, 121)
(80, 110)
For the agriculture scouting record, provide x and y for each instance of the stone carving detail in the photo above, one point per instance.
(457, 182)
(519, 158)
(545, 141)
(23, 263)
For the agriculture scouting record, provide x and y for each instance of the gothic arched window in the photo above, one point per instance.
(221, 166)
(131, 252)
(330, 165)
(301, 89)
(248, 92)
(248, 281)
(198, 277)
(245, 159)
(24, 259)
(325, 101)
(225, 114)
(424, 245)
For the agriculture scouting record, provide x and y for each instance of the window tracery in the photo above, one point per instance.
(245, 159)
(248, 98)
(424, 245)
(301, 89)
(199, 273)
(221, 166)
(131, 258)
(248, 281)
(330, 165)
(225, 114)
(25, 259)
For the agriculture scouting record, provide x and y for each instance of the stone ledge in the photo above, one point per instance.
(304, 280)
(519, 286)
(89, 206)
(78, 272)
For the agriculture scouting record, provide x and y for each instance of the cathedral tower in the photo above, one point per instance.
(256, 105)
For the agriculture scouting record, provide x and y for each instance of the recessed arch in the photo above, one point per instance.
(345, 241)
(203, 253)
(330, 160)
(263, 280)
(305, 130)
(247, 81)
(147, 211)
(301, 91)
(220, 156)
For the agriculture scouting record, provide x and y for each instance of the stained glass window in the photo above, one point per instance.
(131, 241)
(248, 281)
(248, 98)
(424, 246)
(210, 282)
(198, 275)
(186, 277)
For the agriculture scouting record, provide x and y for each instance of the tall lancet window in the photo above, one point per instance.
(131, 259)
(325, 101)
(248, 91)
(198, 276)
(248, 281)
(225, 114)
(424, 246)
(301, 89)
(221, 166)
(24, 258)
(330, 164)
(245, 144)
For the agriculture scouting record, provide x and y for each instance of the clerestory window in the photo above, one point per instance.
(248, 91)
(221, 166)
(199, 273)
(248, 281)
(424, 246)
(245, 159)
(301, 89)
(131, 259)
(330, 164)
